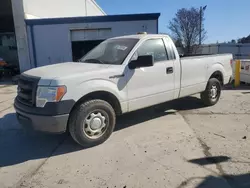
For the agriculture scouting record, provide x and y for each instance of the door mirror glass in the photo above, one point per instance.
(142, 61)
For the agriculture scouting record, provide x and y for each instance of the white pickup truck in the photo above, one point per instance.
(120, 75)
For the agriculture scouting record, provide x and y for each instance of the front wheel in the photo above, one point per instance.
(91, 123)
(212, 93)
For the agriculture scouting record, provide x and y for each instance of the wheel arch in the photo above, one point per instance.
(217, 71)
(218, 75)
(102, 95)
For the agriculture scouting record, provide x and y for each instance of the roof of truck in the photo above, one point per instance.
(140, 36)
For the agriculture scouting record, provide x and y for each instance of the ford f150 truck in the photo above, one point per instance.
(120, 75)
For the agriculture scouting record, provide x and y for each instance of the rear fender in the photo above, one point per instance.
(214, 68)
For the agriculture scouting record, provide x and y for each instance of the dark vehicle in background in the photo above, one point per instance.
(7, 70)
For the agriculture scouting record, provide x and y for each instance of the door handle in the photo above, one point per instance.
(170, 70)
(117, 76)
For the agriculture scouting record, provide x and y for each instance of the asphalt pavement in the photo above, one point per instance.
(180, 144)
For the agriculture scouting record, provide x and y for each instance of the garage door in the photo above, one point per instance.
(90, 34)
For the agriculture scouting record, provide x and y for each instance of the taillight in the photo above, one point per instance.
(231, 62)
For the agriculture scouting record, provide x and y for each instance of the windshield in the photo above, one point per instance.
(111, 51)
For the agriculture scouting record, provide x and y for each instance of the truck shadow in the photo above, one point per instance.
(130, 119)
(220, 179)
(17, 146)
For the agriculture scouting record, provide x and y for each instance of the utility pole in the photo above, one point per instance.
(202, 9)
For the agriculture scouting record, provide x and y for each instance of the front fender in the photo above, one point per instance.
(78, 91)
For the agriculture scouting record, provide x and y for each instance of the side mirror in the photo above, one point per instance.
(142, 61)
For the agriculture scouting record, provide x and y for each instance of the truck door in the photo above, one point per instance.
(174, 57)
(151, 85)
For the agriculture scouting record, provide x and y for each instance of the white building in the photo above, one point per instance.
(68, 39)
(55, 31)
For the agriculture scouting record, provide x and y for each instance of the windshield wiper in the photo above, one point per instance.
(93, 61)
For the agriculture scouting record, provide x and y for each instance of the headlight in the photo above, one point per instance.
(46, 94)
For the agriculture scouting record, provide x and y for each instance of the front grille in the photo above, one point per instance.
(27, 86)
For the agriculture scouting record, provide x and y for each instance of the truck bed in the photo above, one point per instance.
(202, 55)
(202, 66)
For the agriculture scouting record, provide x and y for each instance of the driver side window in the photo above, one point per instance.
(154, 47)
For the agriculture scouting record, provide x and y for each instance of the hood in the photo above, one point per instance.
(63, 70)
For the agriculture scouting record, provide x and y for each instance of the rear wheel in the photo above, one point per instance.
(212, 93)
(92, 122)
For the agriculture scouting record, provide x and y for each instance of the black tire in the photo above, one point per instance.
(79, 117)
(206, 96)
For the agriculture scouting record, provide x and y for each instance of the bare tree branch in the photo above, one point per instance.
(185, 28)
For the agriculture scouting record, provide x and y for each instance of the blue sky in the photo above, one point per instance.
(225, 19)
